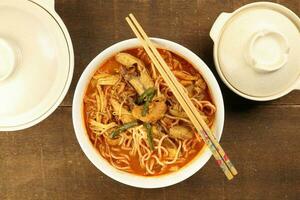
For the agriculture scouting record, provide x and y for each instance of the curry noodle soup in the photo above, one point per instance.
(134, 120)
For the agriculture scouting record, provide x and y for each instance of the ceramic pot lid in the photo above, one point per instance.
(259, 48)
(36, 63)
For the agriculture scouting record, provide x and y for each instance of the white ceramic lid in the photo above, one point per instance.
(36, 63)
(259, 48)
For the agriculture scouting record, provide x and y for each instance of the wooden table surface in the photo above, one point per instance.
(262, 139)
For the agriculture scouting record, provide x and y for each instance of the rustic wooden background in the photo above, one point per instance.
(262, 139)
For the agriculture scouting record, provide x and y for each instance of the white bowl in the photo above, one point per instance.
(128, 178)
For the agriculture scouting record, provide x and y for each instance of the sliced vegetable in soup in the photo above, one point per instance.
(134, 120)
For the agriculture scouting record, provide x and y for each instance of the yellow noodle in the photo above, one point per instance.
(133, 143)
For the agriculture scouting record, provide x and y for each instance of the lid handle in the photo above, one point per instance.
(8, 58)
(268, 50)
(218, 25)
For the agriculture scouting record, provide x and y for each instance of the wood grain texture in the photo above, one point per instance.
(95, 25)
(46, 162)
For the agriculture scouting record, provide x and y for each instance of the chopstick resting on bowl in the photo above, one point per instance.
(182, 97)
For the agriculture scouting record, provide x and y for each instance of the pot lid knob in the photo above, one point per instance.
(8, 58)
(268, 51)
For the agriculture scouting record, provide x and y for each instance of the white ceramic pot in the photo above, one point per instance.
(36, 62)
(101, 163)
(256, 50)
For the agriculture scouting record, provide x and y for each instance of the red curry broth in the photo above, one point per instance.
(111, 66)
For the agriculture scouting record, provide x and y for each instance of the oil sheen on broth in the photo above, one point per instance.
(134, 120)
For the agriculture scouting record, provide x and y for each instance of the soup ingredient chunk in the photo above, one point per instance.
(156, 111)
(123, 128)
(181, 132)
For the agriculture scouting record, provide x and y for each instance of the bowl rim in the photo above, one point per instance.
(124, 177)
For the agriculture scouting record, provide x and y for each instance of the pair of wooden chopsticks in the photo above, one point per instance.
(180, 94)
